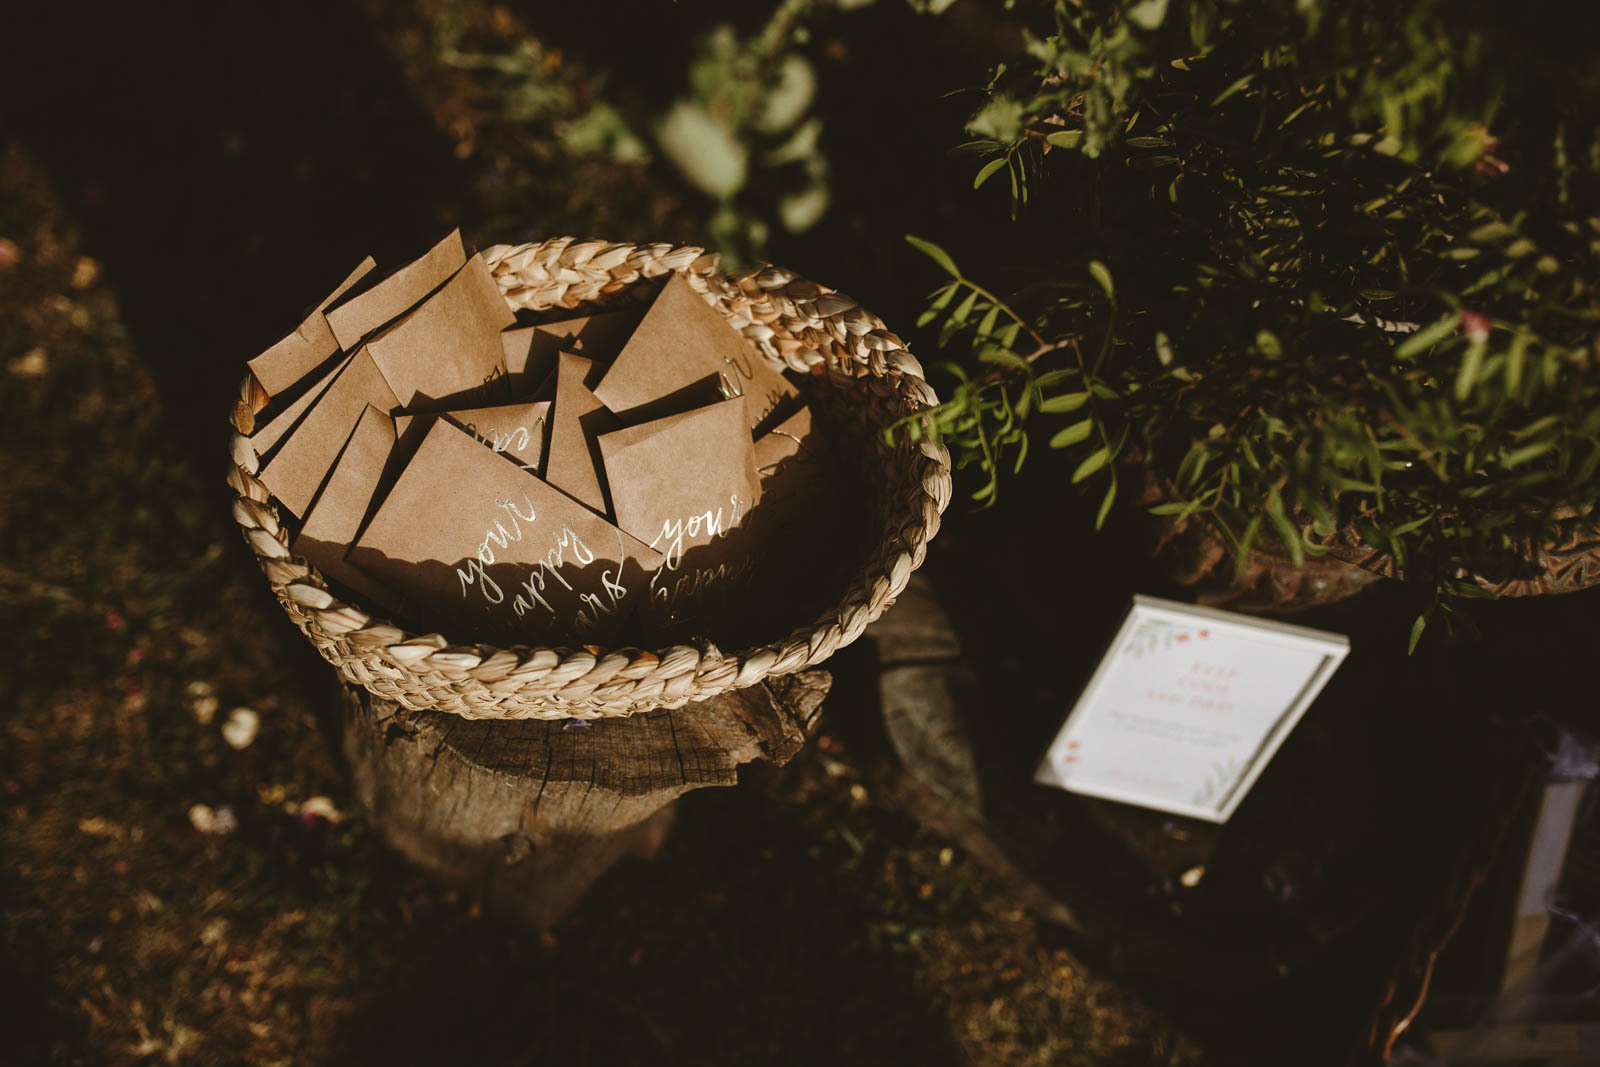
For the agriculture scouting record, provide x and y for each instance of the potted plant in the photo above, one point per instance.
(1323, 281)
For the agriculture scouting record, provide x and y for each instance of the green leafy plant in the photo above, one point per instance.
(1296, 275)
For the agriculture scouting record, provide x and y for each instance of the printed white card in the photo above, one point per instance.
(1187, 707)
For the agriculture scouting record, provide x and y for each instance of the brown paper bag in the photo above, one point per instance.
(530, 351)
(497, 553)
(368, 308)
(684, 355)
(295, 358)
(682, 485)
(446, 352)
(342, 507)
(299, 467)
(577, 418)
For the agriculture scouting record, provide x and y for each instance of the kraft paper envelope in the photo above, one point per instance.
(515, 430)
(496, 551)
(572, 461)
(360, 313)
(265, 437)
(342, 506)
(531, 351)
(810, 529)
(447, 349)
(682, 349)
(790, 439)
(802, 502)
(296, 357)
(683, 485)
(298, 468)
(795, 463)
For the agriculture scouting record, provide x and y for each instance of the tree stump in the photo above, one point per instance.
(528, 814)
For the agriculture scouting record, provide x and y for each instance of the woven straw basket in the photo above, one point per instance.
(796, 324)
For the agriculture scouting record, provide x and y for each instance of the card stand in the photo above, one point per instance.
(858, 371)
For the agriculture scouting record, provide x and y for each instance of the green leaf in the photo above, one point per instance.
(1003, 356)
(1468, 375)
(1521, 455)
(1000, 119)
(986, 326)
(1416, 632)
(1407, 527)
(1105, 504)
(1103, 275)
(1055, 377)
(945, 294)
(1514, 361)
(935, 253)
(1148, 142)
(1426, 337)
(1286, 531)
(964, 308)
(1063, 403)
(1148, 14)
(988, 171)
(1246, 540)
(1077, 432)
(1095, 460)
(1065, 138)
(1230, 90)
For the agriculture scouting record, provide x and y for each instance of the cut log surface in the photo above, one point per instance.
(530, 813)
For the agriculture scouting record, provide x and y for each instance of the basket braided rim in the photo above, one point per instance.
(794, 323)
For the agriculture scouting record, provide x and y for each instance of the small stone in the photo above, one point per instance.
(321, 807)
(34, 363)
(202, 701)
(213, 821)
(10, 254)
(947, 856)
(858, 793)
(241, 728)
(84, 272)
(1192, 876)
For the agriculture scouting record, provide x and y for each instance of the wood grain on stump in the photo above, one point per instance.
(529, 813)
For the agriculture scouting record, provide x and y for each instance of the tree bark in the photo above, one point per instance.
(528, 814)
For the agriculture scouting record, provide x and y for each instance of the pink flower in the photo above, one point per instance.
(1476, 325)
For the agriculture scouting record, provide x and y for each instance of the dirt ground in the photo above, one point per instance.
(179, 888)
